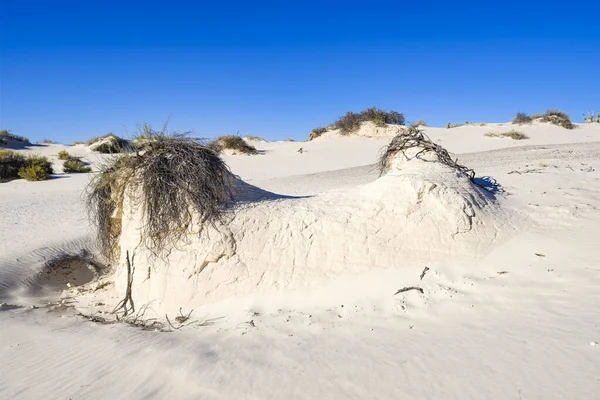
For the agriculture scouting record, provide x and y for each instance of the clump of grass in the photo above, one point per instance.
(522, 118)
(413, 138)
(351, 121)
(108, 144)
(255, 138)
(6, 135)
(174, 175)
(10, 164)
(63, 155)
(76, 142)
(419, 123)
(49, 141)
(232, 142)
(75, 165)
(316, 132)
(36, 168)
(450, 125)
(516, 135)
(555, 117)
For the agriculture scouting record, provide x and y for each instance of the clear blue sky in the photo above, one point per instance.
(73, 69)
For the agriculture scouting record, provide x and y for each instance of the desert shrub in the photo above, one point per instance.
(173, 175)
(76, 142)
(351, 121)
(10, 164)
(316, 132)
(419, 123)
(36, 168)
(49, 141)
(522, 118)
(255, 138)
(555, 117)
(73, 164)
(289, 140)
(413, 138)
(63, 155)
(450, 125)
(5, 135)
(232, 142)
(108, 144)
(516, 135)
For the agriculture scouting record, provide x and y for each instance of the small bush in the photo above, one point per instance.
(5, 135)
(63, 155)
(316, 132)
(522, 118)
(48, 141)
(75, 165)
(351, 121)
(10, 164)
(289, 140)
(108, 144)
(555, 117)
(232, 142)
(419, 123)
(255, 138)
(516, 135)
(76, 142)
(37, 168)
(450, 125)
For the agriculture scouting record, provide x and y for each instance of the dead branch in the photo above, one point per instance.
(406, 289)
(127, 304)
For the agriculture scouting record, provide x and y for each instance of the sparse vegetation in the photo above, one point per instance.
(75, 165)
(6, 135)
(351, 121)
(316, 132)
(413, 138)
(255, 138)
(419, 123)
(48, 141)
(63, 155)
(516, 135)
(232, 142)
(173, 175)
(589, 119)
(108, 144)
(36, 168)
(555, 117)
(76, 142)
(522, 118)
(289, 140)
(450, 125)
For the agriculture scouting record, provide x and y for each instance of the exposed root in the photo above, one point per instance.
(127, 304)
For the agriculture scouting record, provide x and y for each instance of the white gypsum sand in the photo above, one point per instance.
(517, 323)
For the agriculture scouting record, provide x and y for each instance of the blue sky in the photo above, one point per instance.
(70, 70)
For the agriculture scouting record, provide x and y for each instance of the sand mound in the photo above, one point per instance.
(367, 129)
(421, 210)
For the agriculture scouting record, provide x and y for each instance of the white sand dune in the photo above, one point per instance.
(513, 321)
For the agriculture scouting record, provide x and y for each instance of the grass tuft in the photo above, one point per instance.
(63, 155)
(522, 118)
(75, 165)
(232, 142)
(516, 135)
(555, 117)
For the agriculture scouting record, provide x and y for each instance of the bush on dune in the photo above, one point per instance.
(522, 118)
(555, 117)
(5, 136)
(108, 144)
(10, 164)
(516, 135)
(63, 155)
(173, 175)
(32, 168)
(75, 165)
(232, 142)
(316, 132)
(351, 121)
(450, 125)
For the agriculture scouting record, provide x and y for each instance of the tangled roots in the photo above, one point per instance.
(172, 178)
(413, 138)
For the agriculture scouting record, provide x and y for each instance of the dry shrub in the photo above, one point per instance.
(75, 165)
(351, 121)
(316, 132)
(522, 118)
(36, 168)
(555, 117)
(10, 164)
(516, 135)
(63, 155)
(419, 123)
(450, 125)
(232, 142)
(6, 135)
(174, 175)
(414, 138)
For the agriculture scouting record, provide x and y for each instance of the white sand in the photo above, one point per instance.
(474, 333)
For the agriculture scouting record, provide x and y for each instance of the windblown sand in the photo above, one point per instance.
(520, 321)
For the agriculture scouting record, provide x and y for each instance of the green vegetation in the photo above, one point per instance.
(522, 118)
(516, 135)
(5, 136)
(32, 168)
(555, 117)
(63, 155)
(351, 121)
(232, 142)
(316, 132)
(75, 165)
(10, 164)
